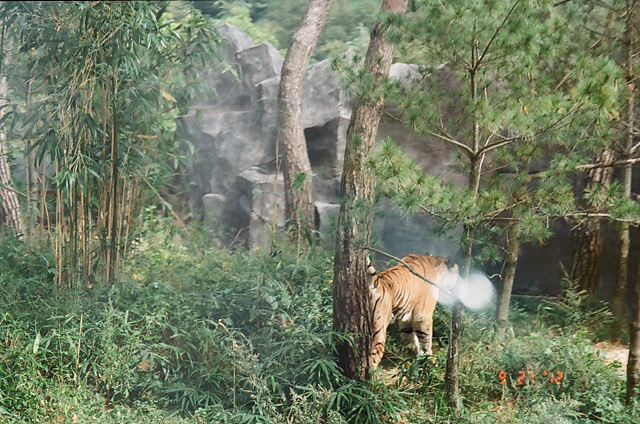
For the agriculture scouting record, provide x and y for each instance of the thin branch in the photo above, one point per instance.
(175, 215)
(609, 164)
(495, 35)
(488, 148)
(452, 141)
(8, 187)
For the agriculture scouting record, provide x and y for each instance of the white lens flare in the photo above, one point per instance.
(476, 292)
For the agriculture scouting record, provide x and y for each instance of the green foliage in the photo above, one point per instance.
(587, 390)
(229, 337)
(578, 311)
(106, 122)
(234, 337)
(521, 103)
(347, 28)
(240, 17)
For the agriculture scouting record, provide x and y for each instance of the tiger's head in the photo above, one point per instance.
(447, 272)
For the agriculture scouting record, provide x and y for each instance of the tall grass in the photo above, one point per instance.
(245, 337)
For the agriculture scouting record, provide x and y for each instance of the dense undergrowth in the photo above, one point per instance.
(245, 337)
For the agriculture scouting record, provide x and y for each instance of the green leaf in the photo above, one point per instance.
(36, 343)
(299, 180)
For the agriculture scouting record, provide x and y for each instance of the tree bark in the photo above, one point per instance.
(633, 364)
(351, 308)
(624, 239)
(298, 182)
(506, 283)
(452, 370)
(587, 253)
(10, 213)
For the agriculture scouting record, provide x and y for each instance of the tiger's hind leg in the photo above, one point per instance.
(409, 336)
(423, 329)
(381, 316)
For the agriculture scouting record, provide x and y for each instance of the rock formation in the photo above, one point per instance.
(230, 138)
(233, 176)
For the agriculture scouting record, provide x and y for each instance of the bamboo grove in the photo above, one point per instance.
(97, 118)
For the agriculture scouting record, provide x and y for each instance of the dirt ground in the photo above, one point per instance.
(614, 352)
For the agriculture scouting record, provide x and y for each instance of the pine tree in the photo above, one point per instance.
(503, 111)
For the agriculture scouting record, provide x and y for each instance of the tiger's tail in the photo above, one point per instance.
(371, 272)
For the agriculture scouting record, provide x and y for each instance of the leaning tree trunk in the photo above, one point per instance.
(298, 183)
(351, 308)
(9, 206)
(587, 251)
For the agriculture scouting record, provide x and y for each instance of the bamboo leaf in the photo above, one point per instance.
(36, 343)
(168, 96)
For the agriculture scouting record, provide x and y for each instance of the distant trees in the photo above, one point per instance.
(349, 23)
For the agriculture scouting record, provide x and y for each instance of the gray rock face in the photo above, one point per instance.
(231, 138)
(234, 184)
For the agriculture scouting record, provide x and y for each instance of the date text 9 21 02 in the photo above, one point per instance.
(529, 377)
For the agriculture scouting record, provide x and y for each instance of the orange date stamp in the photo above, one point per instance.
(529, 377)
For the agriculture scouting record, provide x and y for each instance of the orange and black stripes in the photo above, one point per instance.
(399, 295)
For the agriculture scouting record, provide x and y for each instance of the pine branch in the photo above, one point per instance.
(489, 147)
(452, 141)
(609, 164)
(494, 36)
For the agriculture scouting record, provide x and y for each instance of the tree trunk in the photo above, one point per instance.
(506, 283)
(452, 371)
(633, 364)
(624, 239)
(587, 252)
(351, 308)
(9, 206)
(298, 183)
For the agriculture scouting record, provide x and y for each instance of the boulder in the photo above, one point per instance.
(233, 136)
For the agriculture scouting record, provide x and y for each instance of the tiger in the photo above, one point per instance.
(399, 295)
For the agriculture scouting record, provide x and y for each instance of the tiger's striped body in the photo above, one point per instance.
(398, 295)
